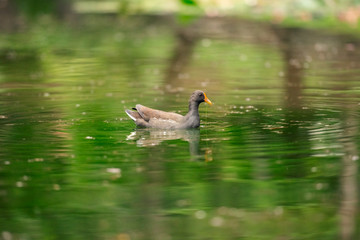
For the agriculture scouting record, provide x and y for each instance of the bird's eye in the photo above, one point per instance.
(200, 94)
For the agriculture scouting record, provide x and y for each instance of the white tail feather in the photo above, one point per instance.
(128, 112)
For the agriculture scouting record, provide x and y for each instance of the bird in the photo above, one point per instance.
(152, 118)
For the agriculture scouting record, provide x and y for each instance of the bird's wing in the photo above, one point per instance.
(148, 113)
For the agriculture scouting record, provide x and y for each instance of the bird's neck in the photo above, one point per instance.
(193, 107)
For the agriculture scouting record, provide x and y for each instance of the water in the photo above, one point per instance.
(276, 156)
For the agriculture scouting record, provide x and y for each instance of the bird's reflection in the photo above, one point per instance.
(147, 137)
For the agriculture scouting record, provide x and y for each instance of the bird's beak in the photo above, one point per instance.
(207, 100)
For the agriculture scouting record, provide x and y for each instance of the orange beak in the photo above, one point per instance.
(207, 100)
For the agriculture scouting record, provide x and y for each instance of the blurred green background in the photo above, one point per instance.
(307, 12)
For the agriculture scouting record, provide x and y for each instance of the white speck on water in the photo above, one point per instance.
(56, 187)
(295, 62)
(314, 169)
(183, 76)
(248, 99)
(7, 162)
(319, 47)
(217, 221)
(25, 178)
(206, 42)
(319, 186)
(204, 84)
(6, 235)
(243, 57)
(281, 74)
(156, 71)
(109, 94)
(122, 101)
(114, 170)
(77, 105)
(46, 94)
(268, 65)
(36, 160)
(19, 184)
(279, 210)
(355, 158)
(89, 137)
(200, 214)
(182, 202)
(83, 113)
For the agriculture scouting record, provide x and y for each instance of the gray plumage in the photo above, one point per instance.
(152, 118)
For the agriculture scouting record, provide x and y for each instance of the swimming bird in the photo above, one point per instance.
(153, 118)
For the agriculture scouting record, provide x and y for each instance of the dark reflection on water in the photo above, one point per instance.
(153, 137)
(275, 157)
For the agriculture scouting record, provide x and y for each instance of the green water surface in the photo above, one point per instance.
(275, 157)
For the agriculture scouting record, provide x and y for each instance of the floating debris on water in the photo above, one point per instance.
(19, 184)
(200, 214)
(6, 235)
(206, 42)
(279, 210)
(319, 186)
(217, 221)
(113, 170)
(36, 160)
